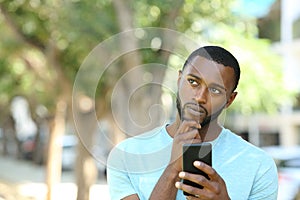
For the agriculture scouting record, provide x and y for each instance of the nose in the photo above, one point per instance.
(201, 95)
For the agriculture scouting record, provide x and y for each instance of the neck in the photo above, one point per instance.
(209, 132)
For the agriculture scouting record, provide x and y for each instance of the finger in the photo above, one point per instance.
(195, 192)
(198, 193)
(187, 125)
(191, 136)
(212, 174)
(197, 178)
(190, 197)
(215, 180)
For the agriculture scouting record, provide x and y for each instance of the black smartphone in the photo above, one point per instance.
(192, 152)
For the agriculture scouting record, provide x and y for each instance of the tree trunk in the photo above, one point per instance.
(129, 104)
(9, 134)
(85, 122)
(53, 173)
(57, 130)
(133, 102)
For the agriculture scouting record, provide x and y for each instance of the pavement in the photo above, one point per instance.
(23, 180)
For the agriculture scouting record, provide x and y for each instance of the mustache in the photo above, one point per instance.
(206, 120)
(199, 108)
(195, 106)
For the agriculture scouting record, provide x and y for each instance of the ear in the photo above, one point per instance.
(231, 99)
(179, 77)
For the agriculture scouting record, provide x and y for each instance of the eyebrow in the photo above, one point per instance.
(215, 84)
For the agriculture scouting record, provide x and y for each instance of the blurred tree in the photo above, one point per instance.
(44, 43)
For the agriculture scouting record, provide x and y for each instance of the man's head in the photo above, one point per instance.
(218, 55)
(207, 83)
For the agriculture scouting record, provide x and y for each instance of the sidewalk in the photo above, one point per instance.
(22, 180)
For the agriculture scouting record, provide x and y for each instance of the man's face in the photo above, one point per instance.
(204, 90)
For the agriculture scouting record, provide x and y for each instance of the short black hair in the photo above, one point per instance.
(218, 55)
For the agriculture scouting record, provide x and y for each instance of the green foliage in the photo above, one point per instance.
(75, 27)
(261, 85)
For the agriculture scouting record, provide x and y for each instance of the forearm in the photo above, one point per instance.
(165, 187)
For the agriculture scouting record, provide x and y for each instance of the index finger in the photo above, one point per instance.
(186, 125)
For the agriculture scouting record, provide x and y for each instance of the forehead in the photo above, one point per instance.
(210, 72)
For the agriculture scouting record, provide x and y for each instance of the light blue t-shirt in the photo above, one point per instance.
(136, 164)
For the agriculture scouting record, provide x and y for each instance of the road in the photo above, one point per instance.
(22, 180)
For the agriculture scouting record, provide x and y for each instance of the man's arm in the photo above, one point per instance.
(120, 186)
(266, 181)
(132, 197)
(165, 187)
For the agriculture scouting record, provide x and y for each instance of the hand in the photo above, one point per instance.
(213, 189)
(187, 133)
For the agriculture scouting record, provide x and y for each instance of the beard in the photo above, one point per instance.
(206, 120)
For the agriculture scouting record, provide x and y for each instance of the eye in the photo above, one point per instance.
(215, 91)
(193, 82)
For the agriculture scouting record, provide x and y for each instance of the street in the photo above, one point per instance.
(23, 180)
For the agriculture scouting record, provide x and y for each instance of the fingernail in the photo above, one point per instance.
(181, 174)
(177, 184)
(197, 163)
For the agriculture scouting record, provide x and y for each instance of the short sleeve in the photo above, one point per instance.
(265, 185)
(118, 180)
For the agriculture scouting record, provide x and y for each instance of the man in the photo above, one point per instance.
(149, 166)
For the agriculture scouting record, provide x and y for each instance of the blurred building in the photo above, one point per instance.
(282, 26)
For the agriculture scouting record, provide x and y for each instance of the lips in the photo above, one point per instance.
(194, 110)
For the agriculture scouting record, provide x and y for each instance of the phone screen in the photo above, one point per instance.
(192, 152)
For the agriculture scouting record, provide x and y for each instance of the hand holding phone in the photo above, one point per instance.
(196, 152)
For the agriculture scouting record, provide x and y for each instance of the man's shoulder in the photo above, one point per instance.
(143, 140)
(145, 152)
(242, 145)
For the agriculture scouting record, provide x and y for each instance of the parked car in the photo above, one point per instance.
(27, 147)
(68, 143)
(287, 160)
(69, 152)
